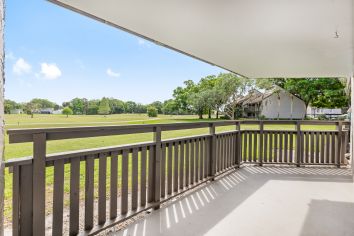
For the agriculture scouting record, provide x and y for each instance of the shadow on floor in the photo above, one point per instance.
(200, 211)
(327, 218)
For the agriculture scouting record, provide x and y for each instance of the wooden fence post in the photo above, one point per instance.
(339, 144)
(298, 144)
(212, 166)
(238, 145)
(22, 222)
(39, 155)
(157, 167)
(260, 153)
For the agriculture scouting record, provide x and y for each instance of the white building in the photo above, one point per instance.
(46, 111)
(275, 104)
(328, 112)
(57, 112)
(16, 111)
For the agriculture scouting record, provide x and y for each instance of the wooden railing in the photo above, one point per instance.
(144, 175)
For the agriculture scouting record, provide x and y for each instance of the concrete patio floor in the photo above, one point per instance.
(259, 201)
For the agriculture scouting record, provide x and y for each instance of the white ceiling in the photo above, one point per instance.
(254, 38)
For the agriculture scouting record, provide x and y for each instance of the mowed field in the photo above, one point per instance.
(46, 121)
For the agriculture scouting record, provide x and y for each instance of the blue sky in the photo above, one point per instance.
(57, 54)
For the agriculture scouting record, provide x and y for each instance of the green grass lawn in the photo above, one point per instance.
(43, 121)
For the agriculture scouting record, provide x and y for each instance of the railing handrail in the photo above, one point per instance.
(94, 151)
(26, 135)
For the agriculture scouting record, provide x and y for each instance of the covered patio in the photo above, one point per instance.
(246, 181)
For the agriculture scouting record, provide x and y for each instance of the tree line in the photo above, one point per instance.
(84, 106)
(223, 93)
(212, 94)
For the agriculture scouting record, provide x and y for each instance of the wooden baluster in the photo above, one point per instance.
(261, 147)
(58, 198)
(299, 144)
(102, 175)
(163, 170)
(134, 177)
(169, 169)
(89, 191)
(74, 195)
(113, 185)
(39, 155)
(143, 176)
(124, 184)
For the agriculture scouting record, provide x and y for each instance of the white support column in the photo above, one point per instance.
(352, 123)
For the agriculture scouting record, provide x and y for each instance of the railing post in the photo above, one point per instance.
(16, 201)
(212, 166)
(260, 153)
(339, 144)
(157, 167)
(22, 195)
(238, 144)
(298, 144)
(39, 155)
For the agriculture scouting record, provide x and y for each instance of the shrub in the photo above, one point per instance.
(342, 117)
(152, 111)
(322, 117)
(308, 118)
(67, 111)
(261, 117)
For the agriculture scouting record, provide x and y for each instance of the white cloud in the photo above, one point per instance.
(10, 56)
(21, 67)
(50, 71)
(111, 73)
(144, 43)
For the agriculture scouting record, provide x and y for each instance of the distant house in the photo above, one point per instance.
(57, 112)
(16, 111)
(273, 104)
(314, 112)
(46, 111)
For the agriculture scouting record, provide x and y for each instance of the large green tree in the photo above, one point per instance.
(207, 86)
(104, 108)
(67, 111)
(232, 89)
(31, 108)
(130, 107)
(318, 92)
(78, 105)
(158, 105)
(182, 96)
(93, 107)
(170, 107)
(10, 105)
(199, 102)
(43, 103)
(116, 105)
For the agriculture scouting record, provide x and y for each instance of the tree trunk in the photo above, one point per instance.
(200, 115)
(209, 113)
(307, 105)
(2, 81)
(217, 114)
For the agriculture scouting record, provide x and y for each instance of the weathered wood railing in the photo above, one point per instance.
(144, 175)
